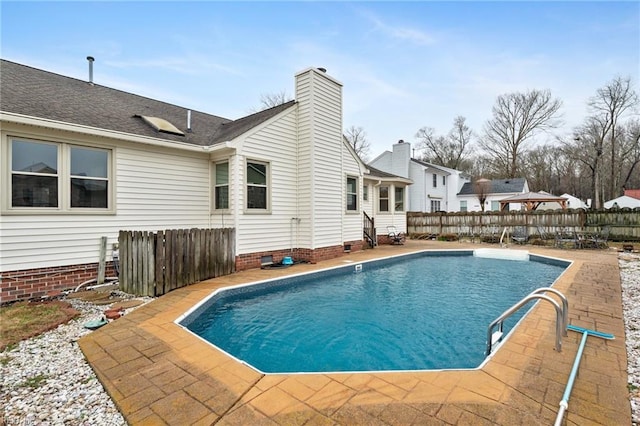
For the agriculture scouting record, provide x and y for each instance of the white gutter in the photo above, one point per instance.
(112, 134)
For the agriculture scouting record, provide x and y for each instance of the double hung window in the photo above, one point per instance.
(257, 185)
(352, 194)
(399, 199)
(383, 199)
(221, 193)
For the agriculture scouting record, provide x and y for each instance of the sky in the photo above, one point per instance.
(403, 65)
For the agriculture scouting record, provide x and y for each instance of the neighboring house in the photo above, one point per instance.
(434, 187)
(497, 190)
(622, 201)
(571, 203)
(81, 161)
(385, 197)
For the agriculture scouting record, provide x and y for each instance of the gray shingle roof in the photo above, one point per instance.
(498, 186)
(37, 93)
(377, 173)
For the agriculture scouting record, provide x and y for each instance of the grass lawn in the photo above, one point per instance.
(23, 320)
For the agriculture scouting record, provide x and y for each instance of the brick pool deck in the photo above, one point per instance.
(157, 373)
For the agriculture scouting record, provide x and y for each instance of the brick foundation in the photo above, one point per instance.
(37, 283)
(253, 260)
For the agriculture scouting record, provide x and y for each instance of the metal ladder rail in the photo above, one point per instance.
(565, 305)
(561, 318)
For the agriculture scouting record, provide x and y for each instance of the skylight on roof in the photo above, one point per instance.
(161, 125)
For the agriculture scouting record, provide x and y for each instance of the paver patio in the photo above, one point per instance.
(157, 373)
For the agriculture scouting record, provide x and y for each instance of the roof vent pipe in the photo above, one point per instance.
(189, 120)
(322, 69)
(90, 59)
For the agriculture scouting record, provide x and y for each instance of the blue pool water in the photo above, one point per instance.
(426, 312)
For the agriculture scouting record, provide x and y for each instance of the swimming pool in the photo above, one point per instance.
(428, 310)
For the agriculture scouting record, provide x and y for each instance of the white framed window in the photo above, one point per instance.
(49, 176)
(435, 180)
(257, 184)
(352, 193)
(383, 199)
(463, 205)
(399, 199)
(444, 180)
(435, 206)
(495, 206)
(365, 192)
(221, 186)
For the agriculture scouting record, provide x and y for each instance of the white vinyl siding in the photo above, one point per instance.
(320, 135)
(157, 189)
(352, 221)
(273, 144)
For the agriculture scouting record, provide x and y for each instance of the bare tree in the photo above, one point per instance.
(610, 104)
(357, 137)
(630, 153)
(482, 187)
(270, 100)
(540, 163)
(449, 151)
(587, 147)
(517, 117)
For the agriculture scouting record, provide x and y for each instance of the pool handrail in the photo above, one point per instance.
(560, 320)
(565, 306)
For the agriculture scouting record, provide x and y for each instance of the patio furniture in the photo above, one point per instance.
(395, 236)
(600, 239)
(520, 235)
(566, 237)
(467, 231)
(489, 234)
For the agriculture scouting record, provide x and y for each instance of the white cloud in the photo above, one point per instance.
(399, 31)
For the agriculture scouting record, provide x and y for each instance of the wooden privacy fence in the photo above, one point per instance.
(624, 223)
(154, 263)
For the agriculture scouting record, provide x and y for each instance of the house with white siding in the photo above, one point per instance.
(81, 161)
(495, 191)
(434, 187)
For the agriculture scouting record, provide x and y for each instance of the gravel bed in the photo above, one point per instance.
(46, 381)
(630, 277)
